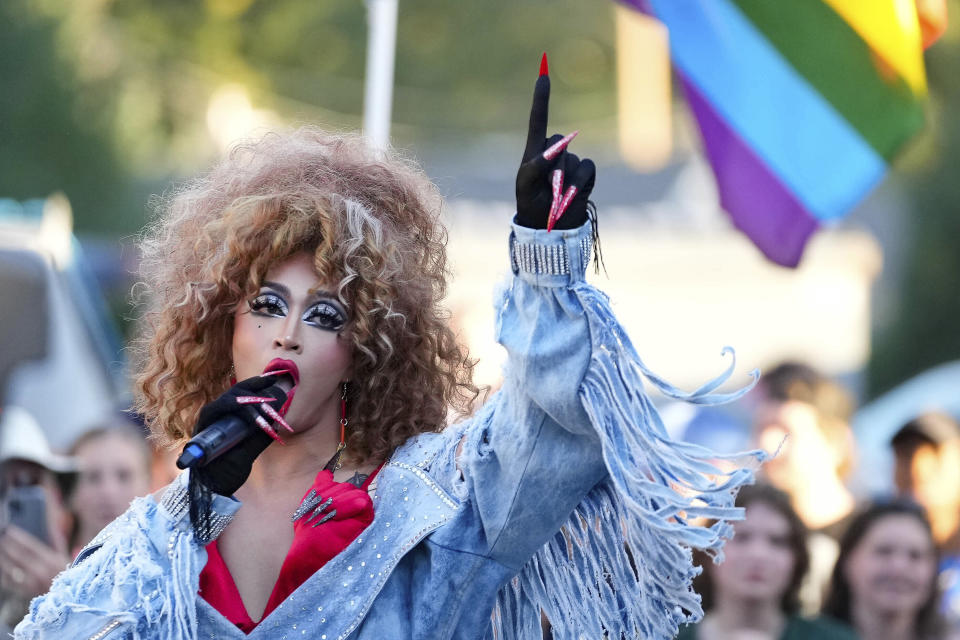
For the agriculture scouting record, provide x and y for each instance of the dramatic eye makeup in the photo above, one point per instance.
(323, 311)
(326, 314)
(269, 304)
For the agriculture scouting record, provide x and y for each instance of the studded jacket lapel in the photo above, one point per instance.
(408, 505)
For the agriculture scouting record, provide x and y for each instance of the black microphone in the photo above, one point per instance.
(226, 433)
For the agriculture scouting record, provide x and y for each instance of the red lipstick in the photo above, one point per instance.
(279, 367)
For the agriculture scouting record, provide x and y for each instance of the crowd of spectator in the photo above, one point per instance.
(813, 560)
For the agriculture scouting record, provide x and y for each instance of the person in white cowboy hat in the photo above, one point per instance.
(30, 472)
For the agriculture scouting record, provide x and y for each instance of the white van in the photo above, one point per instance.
(60, 357)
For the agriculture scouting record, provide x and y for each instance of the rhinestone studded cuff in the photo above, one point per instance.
(176, 502)
(553, 258)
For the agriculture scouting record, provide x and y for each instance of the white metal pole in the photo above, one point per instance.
(378, 90)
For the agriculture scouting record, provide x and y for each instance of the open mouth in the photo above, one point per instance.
(279, 367)
(284, 368)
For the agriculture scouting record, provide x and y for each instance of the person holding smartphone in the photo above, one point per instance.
(34, 519)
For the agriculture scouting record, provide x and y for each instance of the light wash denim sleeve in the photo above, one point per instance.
(572, 476)
(140, 573)
(533, 453)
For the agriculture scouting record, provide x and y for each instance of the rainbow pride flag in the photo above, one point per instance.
(801, 103)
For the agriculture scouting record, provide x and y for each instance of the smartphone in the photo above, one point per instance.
(26, 507)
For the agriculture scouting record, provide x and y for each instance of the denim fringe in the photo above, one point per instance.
(127, 569)
(621, 566)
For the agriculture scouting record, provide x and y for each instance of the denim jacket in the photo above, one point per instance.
(562, 494)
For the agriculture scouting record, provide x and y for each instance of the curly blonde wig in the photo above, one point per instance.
(371, 222)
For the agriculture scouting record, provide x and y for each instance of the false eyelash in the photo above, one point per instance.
(265, 300)
(330, 316)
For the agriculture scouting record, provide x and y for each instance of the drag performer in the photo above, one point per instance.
(310, 268)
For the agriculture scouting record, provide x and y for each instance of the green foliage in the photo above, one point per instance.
(105, 100)
(48, 142)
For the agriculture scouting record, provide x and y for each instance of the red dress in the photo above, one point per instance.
(312, 547)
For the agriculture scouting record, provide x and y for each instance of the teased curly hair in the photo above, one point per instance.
(371, 221)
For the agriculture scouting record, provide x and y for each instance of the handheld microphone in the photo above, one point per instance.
(224, 434)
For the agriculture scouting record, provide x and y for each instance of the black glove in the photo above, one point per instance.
(534, 192)
(227, 473)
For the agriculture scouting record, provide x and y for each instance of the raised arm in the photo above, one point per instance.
(569, 470)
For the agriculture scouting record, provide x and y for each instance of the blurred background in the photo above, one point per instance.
(105, 102)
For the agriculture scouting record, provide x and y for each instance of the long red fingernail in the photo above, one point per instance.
(556, 149)
(276, 417)
(556, 184)
(253, 399)
(544, 71)
(270, 431)
(567, 199)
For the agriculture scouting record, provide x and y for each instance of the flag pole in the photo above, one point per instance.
(378, 86)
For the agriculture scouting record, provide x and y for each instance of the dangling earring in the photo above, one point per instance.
(313, 503)
(337, 460)
(343, 417)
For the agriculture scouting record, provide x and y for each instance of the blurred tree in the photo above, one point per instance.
(107, 100)
(925, 332)
(48, 142)
(460, 66)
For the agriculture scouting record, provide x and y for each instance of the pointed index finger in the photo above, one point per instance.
(538, 118)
